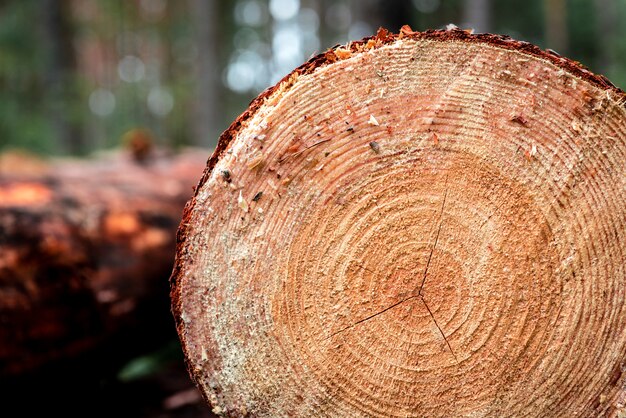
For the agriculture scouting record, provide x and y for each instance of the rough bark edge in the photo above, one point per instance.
(338, 53)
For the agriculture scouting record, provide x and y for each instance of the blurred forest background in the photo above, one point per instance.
(77, 75)
(80, 76)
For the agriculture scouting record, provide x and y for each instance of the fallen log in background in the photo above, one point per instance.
(86, 248)
(423, 224)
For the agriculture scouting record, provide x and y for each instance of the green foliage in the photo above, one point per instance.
(151, 363)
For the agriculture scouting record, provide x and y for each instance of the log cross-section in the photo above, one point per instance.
(415, 225)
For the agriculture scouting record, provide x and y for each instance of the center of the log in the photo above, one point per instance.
(418, 276)
(439, 234)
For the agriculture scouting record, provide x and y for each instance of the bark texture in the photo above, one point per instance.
(85, 252)
(422, 224)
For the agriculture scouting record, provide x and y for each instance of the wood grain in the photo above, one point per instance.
(422, 224)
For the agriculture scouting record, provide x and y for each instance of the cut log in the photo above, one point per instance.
(85, 252)
(422, 224)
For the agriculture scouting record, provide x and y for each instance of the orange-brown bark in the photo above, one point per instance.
(85, 252)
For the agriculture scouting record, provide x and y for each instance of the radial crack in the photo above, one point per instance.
(295, 154)
(439, 328)
(361, 266)
(432, 250)
(492, 214)
(360, 321)
(415, 294)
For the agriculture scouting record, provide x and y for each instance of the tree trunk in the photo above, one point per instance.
(556, 25)
(607, 32)
(423, 224)
(477, 15)
(60, 71)
(206, 105)
(85, 252)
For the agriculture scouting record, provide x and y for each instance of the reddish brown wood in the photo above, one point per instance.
(421, 224)
(85, 251)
